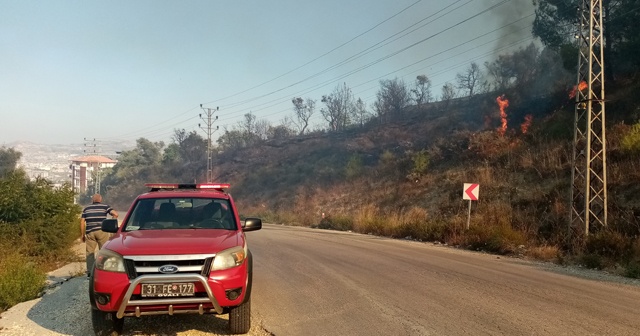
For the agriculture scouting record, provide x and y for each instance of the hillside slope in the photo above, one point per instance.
(375, 171)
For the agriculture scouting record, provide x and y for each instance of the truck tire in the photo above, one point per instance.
(247, 295)
(240, 318)
(106, 323)
(92, 298)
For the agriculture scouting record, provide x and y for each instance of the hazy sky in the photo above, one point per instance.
(120, 70)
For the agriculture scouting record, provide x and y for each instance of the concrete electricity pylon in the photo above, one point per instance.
(208, 119)
(589, 175)
(91, 146)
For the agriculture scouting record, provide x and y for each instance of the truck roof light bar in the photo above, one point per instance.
(178, 186)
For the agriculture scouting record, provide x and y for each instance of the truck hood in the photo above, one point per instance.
(180, 241)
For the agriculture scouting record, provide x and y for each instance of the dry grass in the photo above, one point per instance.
(485, 175)
(543, 252)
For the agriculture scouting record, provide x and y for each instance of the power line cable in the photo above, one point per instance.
(256, 98)
(339, 78)
(319, 57)
(345, 61)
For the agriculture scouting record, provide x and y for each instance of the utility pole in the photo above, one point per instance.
(208, 119)
(589, 174)
(93, 148)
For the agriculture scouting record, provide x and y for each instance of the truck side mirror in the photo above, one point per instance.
(252, 224)
(110, 225)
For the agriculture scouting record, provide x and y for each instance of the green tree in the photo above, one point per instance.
(189, 153)
(339, 107)
(391, 98)
(421, 91)
(448, 93)
(555, 25)
(360, 113)
(8, 160)
(514, 70)
(470, 79)
(303, 111)
(135, 167)
(231, 139)
(280, 132)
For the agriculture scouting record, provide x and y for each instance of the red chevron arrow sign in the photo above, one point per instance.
(470, 191)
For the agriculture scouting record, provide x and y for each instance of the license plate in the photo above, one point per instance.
(167, 290)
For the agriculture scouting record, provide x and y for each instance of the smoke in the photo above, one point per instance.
(507, 13)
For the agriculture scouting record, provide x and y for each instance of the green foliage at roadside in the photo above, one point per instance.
(39, 219)
(21, 279)
(22, 199)
(38, 224)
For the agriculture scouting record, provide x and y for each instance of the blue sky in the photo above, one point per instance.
(120, 70)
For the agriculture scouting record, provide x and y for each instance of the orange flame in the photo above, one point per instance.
(574, 91)
(503, 103)
(524, 127)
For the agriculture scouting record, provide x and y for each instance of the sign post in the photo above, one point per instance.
(470, 191)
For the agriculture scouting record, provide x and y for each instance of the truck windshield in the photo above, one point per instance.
(181, 213)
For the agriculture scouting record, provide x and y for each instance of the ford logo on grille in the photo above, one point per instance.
(168, 269)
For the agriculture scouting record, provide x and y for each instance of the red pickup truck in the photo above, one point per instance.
(181, 248)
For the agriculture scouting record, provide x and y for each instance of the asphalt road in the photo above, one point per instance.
(318, 282)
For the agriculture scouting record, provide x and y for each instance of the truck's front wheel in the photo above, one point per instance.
(240, 318)
(106, 323)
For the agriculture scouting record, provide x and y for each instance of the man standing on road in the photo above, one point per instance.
(91, 227)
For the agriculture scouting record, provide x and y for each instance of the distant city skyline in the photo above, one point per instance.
(121, 70)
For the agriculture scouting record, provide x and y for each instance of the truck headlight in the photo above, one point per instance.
(229, 258)
(107, 260)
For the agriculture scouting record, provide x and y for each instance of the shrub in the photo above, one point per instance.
(631, 140)
(544, 252)
(420, 163)
(368, 220)
(20, 280)
(592, 260)
(354, 167)
(336, 222)
(502, 239)
(377, 226)
(608, 244)
(417, 225)
(632, 270)
(40, 238)
(21, 199)
(387, 158)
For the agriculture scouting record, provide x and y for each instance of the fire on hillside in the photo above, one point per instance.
(503, 103)
(579, 87)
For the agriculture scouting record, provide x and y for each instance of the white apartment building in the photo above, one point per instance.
(85, 168)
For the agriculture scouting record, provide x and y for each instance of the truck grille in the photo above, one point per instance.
(143, 265)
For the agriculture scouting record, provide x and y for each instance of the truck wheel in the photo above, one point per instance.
(240, 318)
(106, 323)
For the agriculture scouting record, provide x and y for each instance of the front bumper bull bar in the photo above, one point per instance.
(162, 279)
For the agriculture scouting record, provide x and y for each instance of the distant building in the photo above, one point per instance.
(83, 167)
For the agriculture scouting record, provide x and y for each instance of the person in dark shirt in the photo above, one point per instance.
(91, 227)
